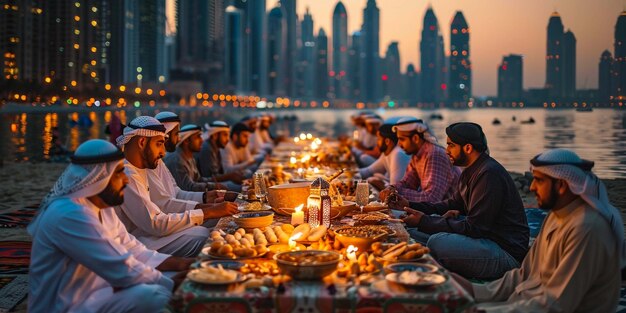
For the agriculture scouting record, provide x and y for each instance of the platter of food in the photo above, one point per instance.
(215, 276)
(415, 279)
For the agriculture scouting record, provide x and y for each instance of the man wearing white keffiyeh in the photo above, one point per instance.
(83, 259)
(179, 233)
(574, 265)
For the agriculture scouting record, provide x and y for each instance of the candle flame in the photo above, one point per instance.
(299, 208)
(352, 249)
(296, 139)
(293, 160)
(295, 237)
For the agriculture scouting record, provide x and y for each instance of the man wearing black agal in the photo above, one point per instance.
(493, 237)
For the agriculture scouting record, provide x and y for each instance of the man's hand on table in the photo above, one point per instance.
(218, 210)
(377, 183)
(414, 217)
(212, 197)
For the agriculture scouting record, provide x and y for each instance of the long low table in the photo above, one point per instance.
(333, 294)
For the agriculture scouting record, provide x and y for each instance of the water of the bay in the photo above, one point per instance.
(599, 135)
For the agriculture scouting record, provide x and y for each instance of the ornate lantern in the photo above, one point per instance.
(319, 203)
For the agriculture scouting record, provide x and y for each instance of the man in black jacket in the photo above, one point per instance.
(493, 237)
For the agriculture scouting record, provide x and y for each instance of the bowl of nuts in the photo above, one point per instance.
(307, 264)
(360, 237)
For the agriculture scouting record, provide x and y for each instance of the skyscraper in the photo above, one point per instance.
(569, 65)
(275, 79)
(605, 75)
(72, 34)
(152, 47)
(11, 50)
(291, 45)
(308, 57)
(321, 71)
(391, 80)
(411, 85)
(370, 61)
(460, 83)
(510, 78)
(122, 27)
(340, 86)
(354, 66)
(199, 42)
(255, 48)
(432, 63)
(619, 59)
(234, 54)
(554, 57)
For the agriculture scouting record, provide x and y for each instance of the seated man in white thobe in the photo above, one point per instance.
(574, 265)
(236, 156)
(366, 151)
(83, 259)
(180, 234)
(392, 163)
(165, 193)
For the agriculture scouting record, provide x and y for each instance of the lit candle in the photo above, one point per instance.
(351, 253)
(297, 217)
(292, 161)
(292, 240)
(314, 146)
(296, 139)
(309, 136)
(302, 136)
(316, 170)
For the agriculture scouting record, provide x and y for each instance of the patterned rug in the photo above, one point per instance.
(14, 257)
(19, 218)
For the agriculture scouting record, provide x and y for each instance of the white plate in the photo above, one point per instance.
(197, 276)
(416, 279)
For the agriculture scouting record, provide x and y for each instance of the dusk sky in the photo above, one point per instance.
(498, 27)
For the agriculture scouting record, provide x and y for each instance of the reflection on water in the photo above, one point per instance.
(599, 135)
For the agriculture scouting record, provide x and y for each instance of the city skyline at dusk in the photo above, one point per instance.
(490, 22)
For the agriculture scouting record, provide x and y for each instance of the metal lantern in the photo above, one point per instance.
(319, 203)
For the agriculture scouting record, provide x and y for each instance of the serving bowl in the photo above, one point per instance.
(359, 237)
(250, 220)
(288, 196)
(307, 264)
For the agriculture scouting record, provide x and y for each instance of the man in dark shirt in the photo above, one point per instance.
(493, 238)
(209, 158)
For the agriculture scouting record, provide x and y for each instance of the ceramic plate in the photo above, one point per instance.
(198, 276)
(416, 279)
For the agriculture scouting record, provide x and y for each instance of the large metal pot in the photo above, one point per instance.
(285, 197)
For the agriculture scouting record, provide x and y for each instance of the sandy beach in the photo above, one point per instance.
(26, 184)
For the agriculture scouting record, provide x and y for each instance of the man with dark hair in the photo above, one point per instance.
(209, 159)
(494, 235)
(574, 265)
(236, 156)
(390, 167)
(164, 190)
(83, 258)
(430, 177)
(180, 233)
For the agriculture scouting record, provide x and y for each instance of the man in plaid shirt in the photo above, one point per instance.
(430, 176)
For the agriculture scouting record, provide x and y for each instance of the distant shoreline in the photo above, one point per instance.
(16, 108)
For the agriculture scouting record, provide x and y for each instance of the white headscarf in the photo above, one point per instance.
(568, 166)
(144, 126)
(168, 119)
(88, 174)
(214, 128)
(188, 131)
(408, 124)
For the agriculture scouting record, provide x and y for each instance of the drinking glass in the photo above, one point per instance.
(260, 188)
